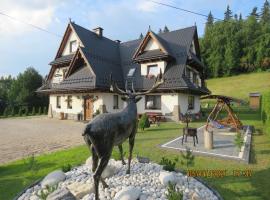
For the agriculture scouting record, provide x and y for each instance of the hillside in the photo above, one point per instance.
(240, 86)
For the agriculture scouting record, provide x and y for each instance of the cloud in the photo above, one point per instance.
(39, 13)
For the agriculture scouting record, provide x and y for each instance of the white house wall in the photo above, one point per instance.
(168, 102)
(151, 45)
(160, 64)
(72, 37)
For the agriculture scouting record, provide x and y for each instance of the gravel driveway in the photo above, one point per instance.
(21, 137)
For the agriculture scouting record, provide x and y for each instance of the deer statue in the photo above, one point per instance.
(111, 129)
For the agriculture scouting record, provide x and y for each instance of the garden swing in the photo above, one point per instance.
(223, 103)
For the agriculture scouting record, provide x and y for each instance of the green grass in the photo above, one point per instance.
(16, 176)
(240, 86)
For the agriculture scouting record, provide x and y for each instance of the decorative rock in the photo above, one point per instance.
(128, 193)
(166, 177)
(109, 171)
(79, 190)
(61, 194)
(53, 178)
(88, 162)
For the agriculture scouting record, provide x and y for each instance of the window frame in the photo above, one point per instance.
(148, 69)
(115, 97)
(58, 101)
(70, 46)
(69, 102)
(191, 105)
(154, 102)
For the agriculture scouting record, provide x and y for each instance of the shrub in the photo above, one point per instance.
(66, 167)
(187, 158)
(44, 110)
(44, 193)
(12, 112)
(5, 114)
(39, 110)
(144, 122)
(239, 140)
(26, 111)
(20, 111)
(168, 165)
(173, 192)
(34, 110)
(265, 111)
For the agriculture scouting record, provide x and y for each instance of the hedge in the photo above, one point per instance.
(265, 111)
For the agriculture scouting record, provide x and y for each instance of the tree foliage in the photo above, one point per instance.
(237, 45)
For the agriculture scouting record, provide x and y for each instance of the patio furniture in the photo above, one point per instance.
(191, 132)
(155, 117)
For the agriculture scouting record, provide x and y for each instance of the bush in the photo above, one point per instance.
(34, 110)
(45, 110)
(66, 167)
(39, 111)
(44, 193)
(239, 140)
(20, 111)
(5, 114)
(173, 193)
(144, 122)
(168, 165)
(12, 112)
(26, 111)
(265, 111)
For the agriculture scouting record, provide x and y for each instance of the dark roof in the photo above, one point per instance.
(106, 56)
(62, 60)
(152, 54)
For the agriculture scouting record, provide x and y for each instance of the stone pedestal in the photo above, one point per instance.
(208, 139)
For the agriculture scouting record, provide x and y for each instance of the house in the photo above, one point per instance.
(78, 81)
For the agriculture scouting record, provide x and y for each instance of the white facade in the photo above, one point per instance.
(160, 64)
(168, 102)
(151, 45)
(72, 37)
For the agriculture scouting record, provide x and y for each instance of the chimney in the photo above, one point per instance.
(98, 31)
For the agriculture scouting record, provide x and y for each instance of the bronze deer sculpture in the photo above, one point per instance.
(111, 129)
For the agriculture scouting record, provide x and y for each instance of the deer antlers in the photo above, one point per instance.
(113, 86)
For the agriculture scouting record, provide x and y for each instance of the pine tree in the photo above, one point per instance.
(165, 30)
(236, 17)
(228, 14)
(160, 31)
(210, 20)
(141, 36)
(240, 17)
(254, 13)
(265, 13)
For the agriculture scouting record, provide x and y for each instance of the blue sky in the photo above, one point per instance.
(22, 46)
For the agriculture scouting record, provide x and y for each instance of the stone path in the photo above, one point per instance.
(21, 137)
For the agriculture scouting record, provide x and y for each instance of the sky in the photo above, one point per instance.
(22, 46)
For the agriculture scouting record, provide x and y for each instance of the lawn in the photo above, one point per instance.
(16, 175)
(240, 86)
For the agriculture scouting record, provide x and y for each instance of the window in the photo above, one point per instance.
(58, 102)
(69, 102)
(72, 46)
(152, 70)
(115, 102)
(191, 102)
(153, 102)
(131, 72)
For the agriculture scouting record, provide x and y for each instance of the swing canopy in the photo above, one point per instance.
(223, 103)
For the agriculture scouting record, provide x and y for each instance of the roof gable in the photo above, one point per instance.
(149, 43)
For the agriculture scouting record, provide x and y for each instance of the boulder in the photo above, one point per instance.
(61, 194)
(166, 177)
(128, 193)
(79, 190)
(53, 178)
(109, 171)
(196, 196)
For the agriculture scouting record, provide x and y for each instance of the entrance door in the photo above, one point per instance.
(88, 109)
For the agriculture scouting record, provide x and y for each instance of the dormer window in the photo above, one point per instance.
(152, 70)
(131, 72)
(73, 46)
